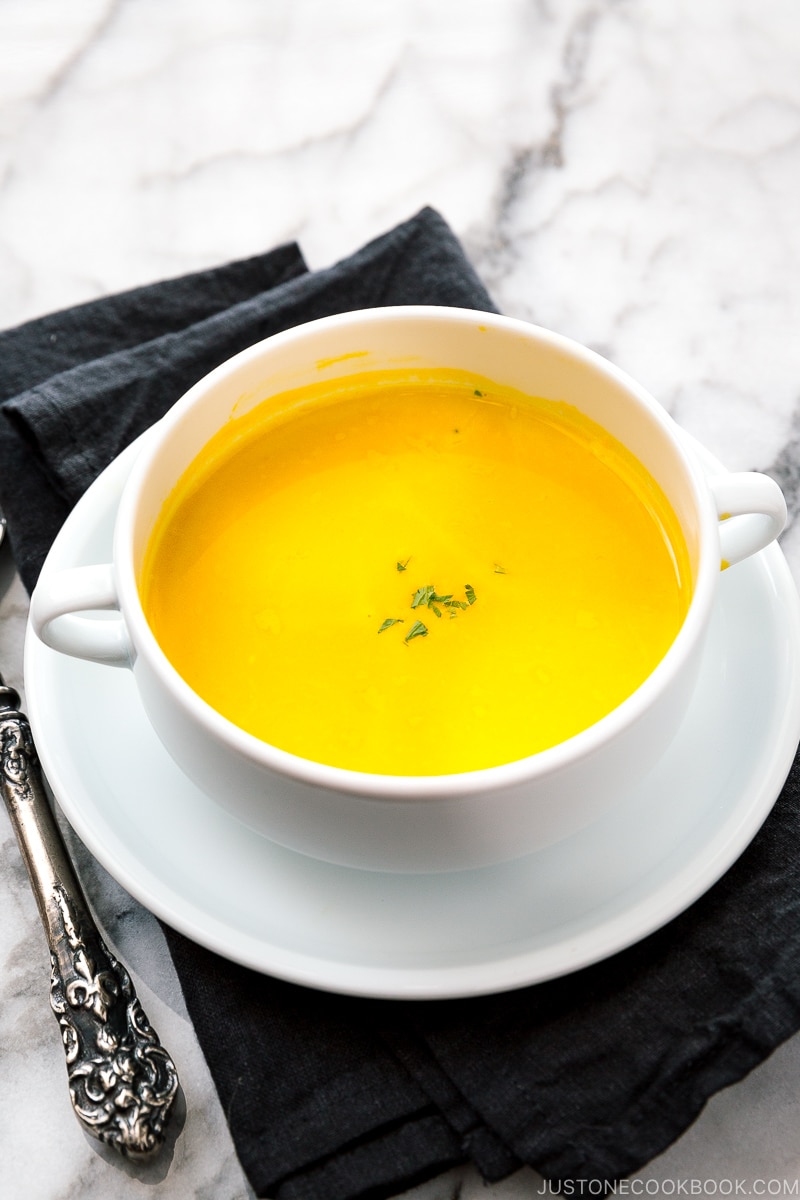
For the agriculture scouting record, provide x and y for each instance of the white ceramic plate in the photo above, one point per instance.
(415, 936)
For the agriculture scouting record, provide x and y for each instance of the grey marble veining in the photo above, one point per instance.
(623, 171)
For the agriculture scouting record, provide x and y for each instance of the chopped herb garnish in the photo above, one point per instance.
(428, 597)
(423, 595)
(498, 570)
(416, 630)
(477, 393)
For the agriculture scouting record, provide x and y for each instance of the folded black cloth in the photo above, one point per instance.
(328, 1097)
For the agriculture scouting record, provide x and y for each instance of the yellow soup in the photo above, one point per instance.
(415, 575)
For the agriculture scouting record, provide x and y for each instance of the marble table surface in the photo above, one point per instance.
(626, 172)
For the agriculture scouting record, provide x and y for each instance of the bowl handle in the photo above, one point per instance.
(57, 600)
(752, 513)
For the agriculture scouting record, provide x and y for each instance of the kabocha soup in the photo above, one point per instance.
(415, 574)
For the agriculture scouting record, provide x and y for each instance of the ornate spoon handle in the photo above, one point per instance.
(121, 1080)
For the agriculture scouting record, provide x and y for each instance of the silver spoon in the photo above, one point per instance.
(122, 1082)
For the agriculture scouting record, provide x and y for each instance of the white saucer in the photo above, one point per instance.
(412, 936)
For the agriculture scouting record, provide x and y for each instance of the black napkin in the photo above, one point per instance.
(332, 1098)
